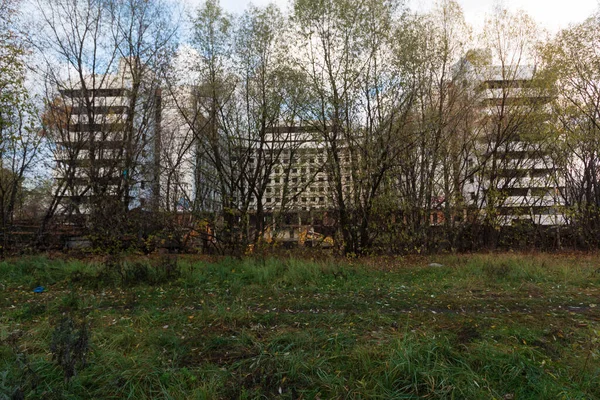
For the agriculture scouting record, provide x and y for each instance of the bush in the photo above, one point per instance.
(70, 346)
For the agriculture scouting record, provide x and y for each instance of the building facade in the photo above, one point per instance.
(516, 180)
(105, 148)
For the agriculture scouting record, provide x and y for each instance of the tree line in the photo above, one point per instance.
(424, 129)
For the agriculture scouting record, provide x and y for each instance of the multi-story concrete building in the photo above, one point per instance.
(167, 165)
(297, 196)
(103, 157)
(299, 180)
(180, 157)
(517, 177)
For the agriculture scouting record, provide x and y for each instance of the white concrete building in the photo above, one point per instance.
(518, 175)
(101, 152)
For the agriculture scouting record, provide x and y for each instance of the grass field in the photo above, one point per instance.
(497, 326)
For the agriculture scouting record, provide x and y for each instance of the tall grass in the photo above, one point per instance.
(503, 270)
(39, 270)
(481, 326)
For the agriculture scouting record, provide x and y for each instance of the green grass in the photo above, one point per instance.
(490, 326)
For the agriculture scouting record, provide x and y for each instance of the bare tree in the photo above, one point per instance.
(364, 91)
(571, 62)
(101, 65)
(511, 127)
(144, 34)
(432, 172)
(244, 95)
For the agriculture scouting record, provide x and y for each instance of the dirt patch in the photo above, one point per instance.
(223, 355)
(467, 334)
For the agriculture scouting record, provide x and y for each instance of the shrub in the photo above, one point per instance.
(70, 346)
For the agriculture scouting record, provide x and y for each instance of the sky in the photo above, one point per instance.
(550, 14)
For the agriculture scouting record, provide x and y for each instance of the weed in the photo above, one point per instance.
(117, 271)
(70, 346)
(135, 273)
(168, 267)
(21, 379)
(497, 271)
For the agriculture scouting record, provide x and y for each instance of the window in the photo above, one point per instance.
(541, 192)
(304, 199)
(514, 173)
(313, 199)
(516, 191)
(321, 199)
(295, 170)
(268, 199)
(542, 172)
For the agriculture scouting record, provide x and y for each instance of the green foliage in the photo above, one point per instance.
(19, 142)
(12, 94)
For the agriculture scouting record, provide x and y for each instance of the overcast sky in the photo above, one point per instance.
(550, 14)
